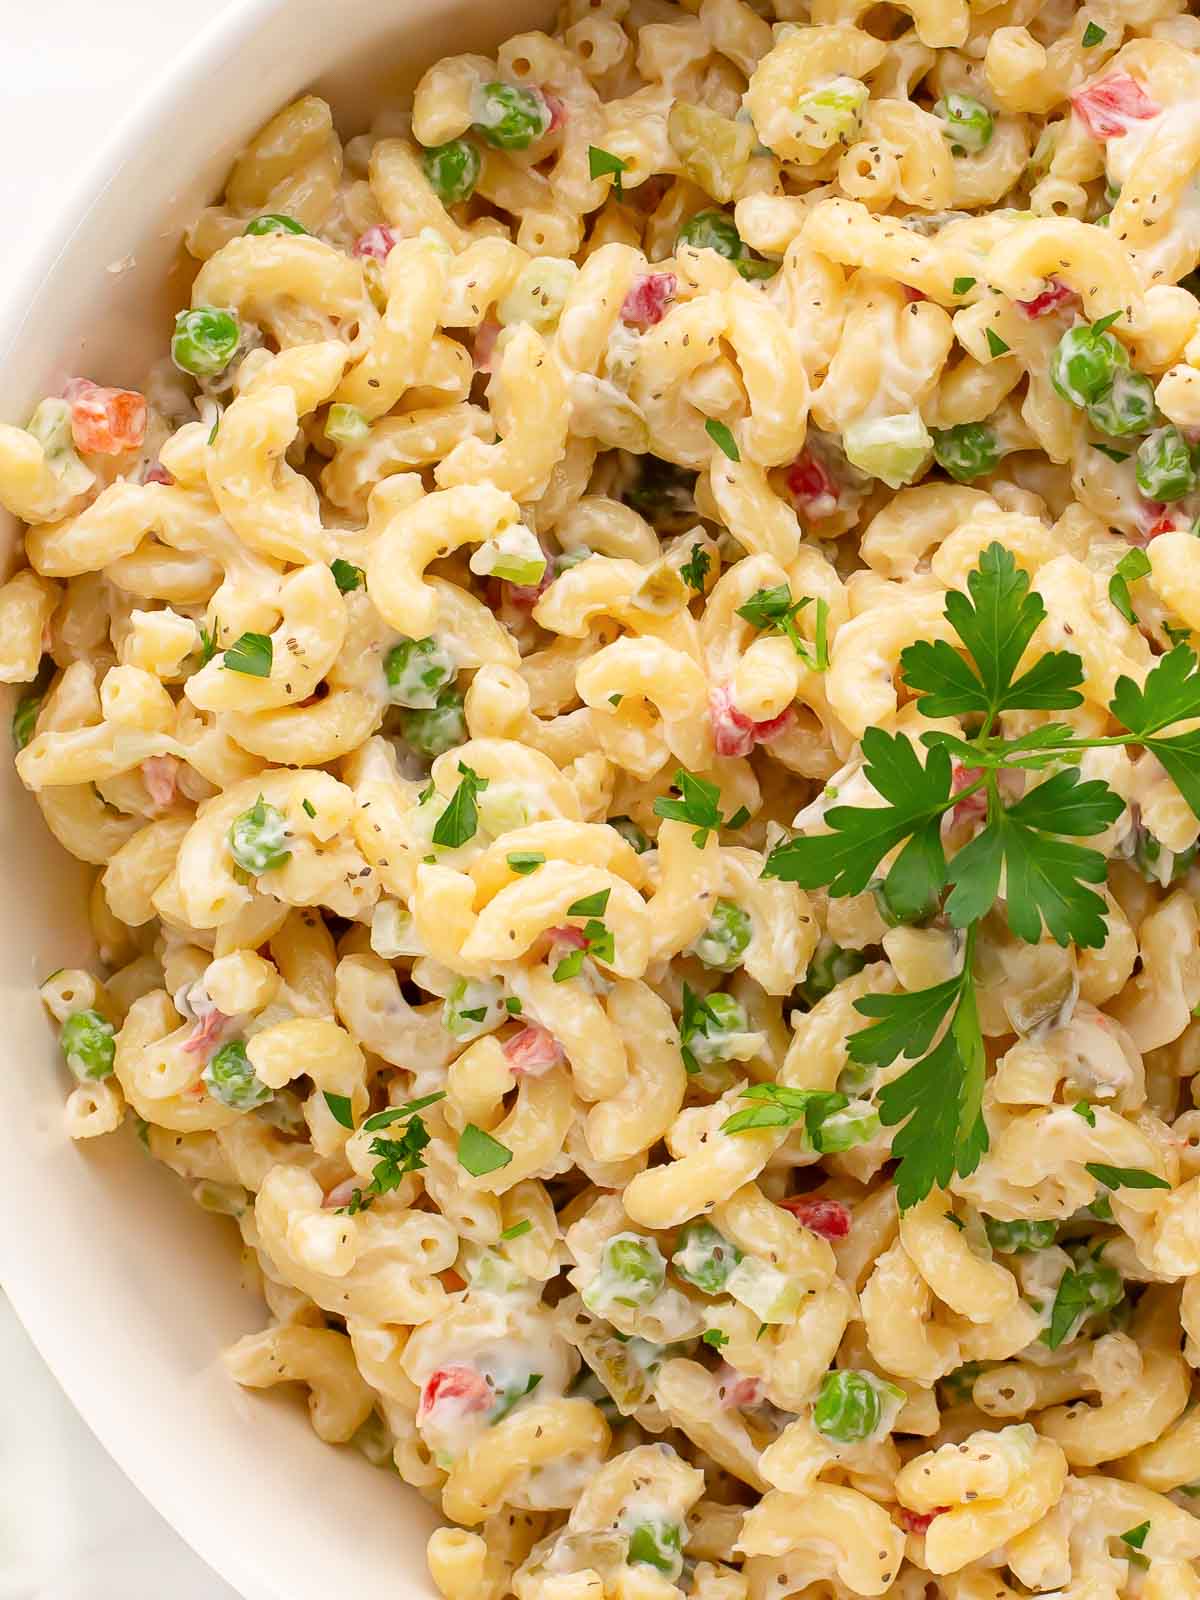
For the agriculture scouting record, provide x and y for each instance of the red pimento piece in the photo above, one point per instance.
(736, 1389)
(1108, 107)
(159, 774)
(533, 1051)
(1164, 523)
(341, 1194)
(206, 1035)
(911, 294)
(1056, 296)
(462, 1384)
(975, 805)
(647, 301)
(917, 1521)
(774, 727)
(567, 935)
(105, 422)
(558, 112)
(378, 242)
(812, 488)
(829, 1218)
(159, 474)
(486, 335)
(733, 731)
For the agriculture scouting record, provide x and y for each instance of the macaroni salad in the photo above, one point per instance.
(631, 690)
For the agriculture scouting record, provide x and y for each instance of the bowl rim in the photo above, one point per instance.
(88, 191)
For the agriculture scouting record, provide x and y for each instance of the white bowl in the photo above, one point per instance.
(127, 1288)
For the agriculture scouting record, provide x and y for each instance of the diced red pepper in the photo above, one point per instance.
(1056, 296)
(774, 727)
(917, 1521)
(735, 1389)
(571, 937)
(911, 294)
(486, 335)
(159, 474)
(105, 422)
(558, 111)
(1164, 522)
(647, 301)
(829, 1218)
(733, 731)
(812, 487)
(207, 1034)
(1107, 108)
(159, 774)
(533, 1051)
(462, 1384)
(975, 805)
(378, 242)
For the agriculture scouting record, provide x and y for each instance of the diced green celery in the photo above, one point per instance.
(831, 114)
(893, 449)
(346, 425)
(472, 1007)
(538, 294)
(769, 1293)
(50, 425)
(657, 1544)
(502, 807)
(439, 728)
(393, 932)
(713, 150)
(514, 555)
(969, 123)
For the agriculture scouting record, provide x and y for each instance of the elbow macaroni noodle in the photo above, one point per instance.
(363, 664)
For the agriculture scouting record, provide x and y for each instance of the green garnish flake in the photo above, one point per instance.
(1092, 36)
(995, 343)
(479, 1153)
(602, 163)
(459, 821)
(251, 655)
(340, 1109)
(722, 438)
(1133, 564)
(695, 569)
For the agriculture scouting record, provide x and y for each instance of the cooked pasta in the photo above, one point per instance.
(631, 691)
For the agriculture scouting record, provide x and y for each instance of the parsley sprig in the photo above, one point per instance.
(698, 804)
(774, 610)
(398, 1155)
(1029, 846)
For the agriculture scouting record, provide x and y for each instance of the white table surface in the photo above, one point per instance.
(71, 1526)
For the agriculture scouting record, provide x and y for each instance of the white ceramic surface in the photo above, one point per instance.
(127, 1289)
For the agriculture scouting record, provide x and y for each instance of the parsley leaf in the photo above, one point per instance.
(1170, 694)
(1133, 564)
(252, 655)
(592, 905)
(715, 1338)
(696, 1015)
(722, 438)
(346, 575)
(393, 1114)
(1081, 1108)
(479, 1153)
(776, 1105)
(1125, 1177)
(695, 569)
(1092, 35)
(339, 1109)
(995, 343)
(963, 285)
(995, 625)
(460, 819)
(846, 858)
(697, 804)
(1136, 1537)
(775, 609)
(603, 162)
(525, 861)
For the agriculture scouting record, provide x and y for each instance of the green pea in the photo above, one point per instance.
(966, 451)
(439, 728)
(850, 1406)
(258, 838)
(969, 123)
(1085, 363)
(1021, 1237)
(631, 833)
(727, 937)
(417, 670)
(205, 341)
(273, 222)
(452, 170)
(712, 230)
(634, 1269)
(829, 966)
(1128, 407)
(510, 117)
(87, 1043)
(705, 1258)
(658, 1545)
(233, 1081)
(1164, 465)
